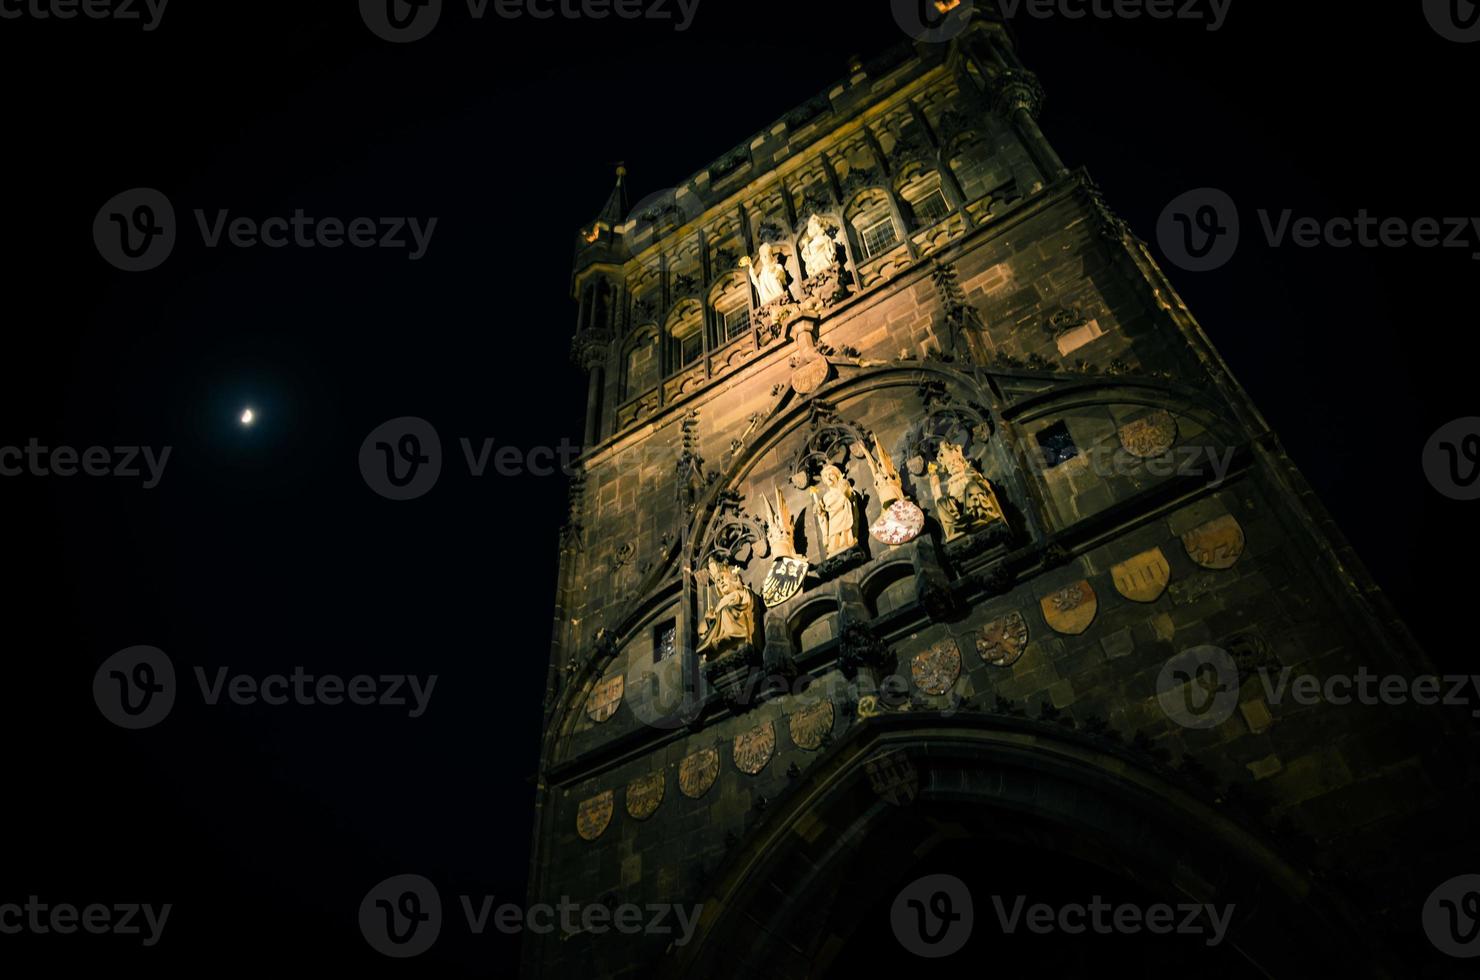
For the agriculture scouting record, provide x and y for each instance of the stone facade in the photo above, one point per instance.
(975, 294)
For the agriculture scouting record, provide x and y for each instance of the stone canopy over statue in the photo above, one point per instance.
(732, 624)
(964, 499)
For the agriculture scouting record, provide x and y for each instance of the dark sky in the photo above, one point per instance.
(262, 549)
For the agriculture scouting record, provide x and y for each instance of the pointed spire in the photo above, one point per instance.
(615, 211)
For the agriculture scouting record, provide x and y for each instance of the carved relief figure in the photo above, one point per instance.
(769, 276)
(732, 622)
(965, 501)
(819, 249)
(836, 507)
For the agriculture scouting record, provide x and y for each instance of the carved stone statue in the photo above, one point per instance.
(819, 248)
(836, 507)
(769, 276)
(732, 623)
(965, 500)
(780, 531)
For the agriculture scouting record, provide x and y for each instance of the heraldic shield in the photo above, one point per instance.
(784, 580)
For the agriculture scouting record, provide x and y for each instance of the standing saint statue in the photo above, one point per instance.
(769, 276)
(836, 507)
(819, 248)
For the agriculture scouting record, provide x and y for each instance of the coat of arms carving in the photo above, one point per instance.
(1071, 610)
(935, 670)
(754, 748)
(1218, 544)
(644, 794)
(594, 814)
(1142, 578)
(605, 698)
(697, 772)
(1001, 642)
(810, 725)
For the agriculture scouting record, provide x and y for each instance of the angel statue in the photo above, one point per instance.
(836, 507)
(732, 622)
(965, 501)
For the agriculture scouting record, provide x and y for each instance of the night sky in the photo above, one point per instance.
(262, 549)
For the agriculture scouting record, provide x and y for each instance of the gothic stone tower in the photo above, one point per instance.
(919, 521)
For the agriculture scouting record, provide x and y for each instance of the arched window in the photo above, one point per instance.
(730, 301)
(685, 336)
(926, 198)
(641, 367)
(874, 228)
